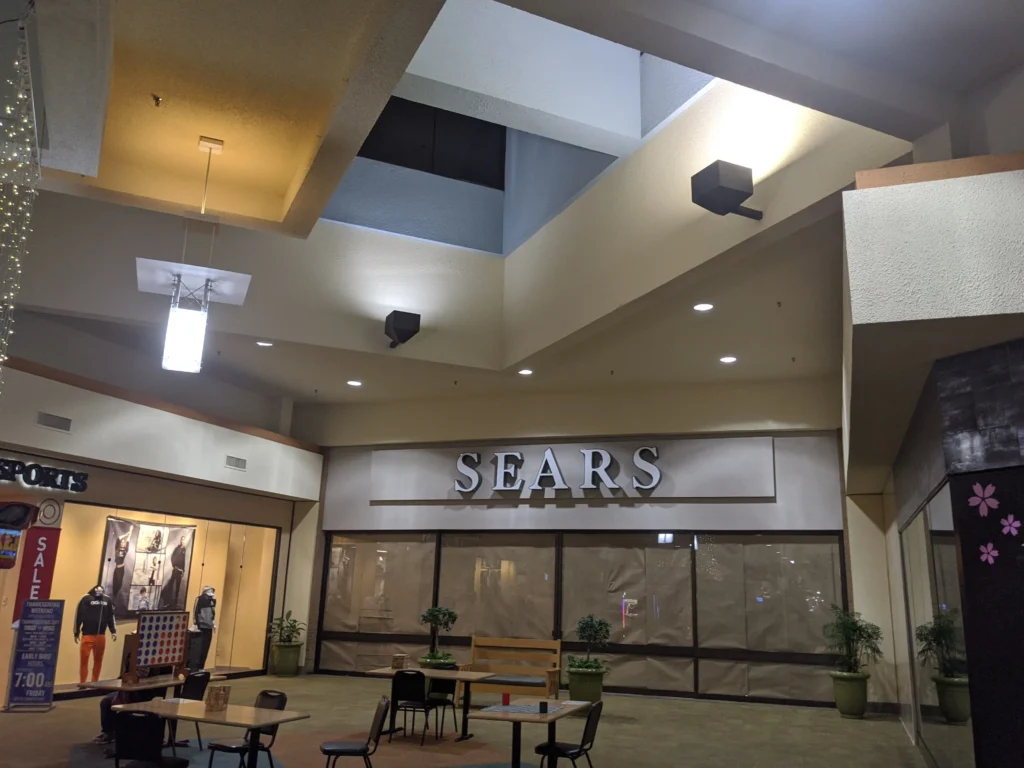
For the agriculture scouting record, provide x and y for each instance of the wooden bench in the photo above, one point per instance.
(522, 667)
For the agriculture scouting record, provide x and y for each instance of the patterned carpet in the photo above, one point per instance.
(638, 732)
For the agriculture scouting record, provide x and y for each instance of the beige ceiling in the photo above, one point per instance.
(263, 76)
(778, 312)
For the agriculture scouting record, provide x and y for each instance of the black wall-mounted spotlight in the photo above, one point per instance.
(722, 187)
(401, 326)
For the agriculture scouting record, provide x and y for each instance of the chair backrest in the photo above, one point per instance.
(444, 687)
(195, 686)
(377, 726)
(271, 700)
(515, 656)
(590, 729)
(138, 736)
(409, 685)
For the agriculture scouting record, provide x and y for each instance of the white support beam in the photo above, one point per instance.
(710, 41)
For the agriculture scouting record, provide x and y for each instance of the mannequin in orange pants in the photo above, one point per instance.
(95, 615)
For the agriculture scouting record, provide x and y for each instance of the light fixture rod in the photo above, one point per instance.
(750, 213)
(206, 183)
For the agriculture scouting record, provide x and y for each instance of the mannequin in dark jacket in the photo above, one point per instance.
(93, 618)
(204, 614)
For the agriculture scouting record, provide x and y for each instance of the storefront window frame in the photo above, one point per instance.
(560, 630)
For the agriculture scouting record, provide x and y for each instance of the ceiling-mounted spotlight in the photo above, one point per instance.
(401, 326)
(722, 187)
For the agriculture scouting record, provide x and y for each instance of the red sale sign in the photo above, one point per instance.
(39, 556)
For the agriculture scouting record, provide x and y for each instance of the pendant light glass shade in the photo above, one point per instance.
(186, 329)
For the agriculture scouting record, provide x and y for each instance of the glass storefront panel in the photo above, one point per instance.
(379, 583)
(500, 584)
(154, 561)
(765, 680)
(766, 593)
(640, 583)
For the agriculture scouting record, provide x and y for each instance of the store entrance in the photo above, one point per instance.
(150, 561)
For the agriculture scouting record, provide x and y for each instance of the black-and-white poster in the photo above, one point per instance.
(145, 567)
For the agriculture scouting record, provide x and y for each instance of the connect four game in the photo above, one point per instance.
(162, 637)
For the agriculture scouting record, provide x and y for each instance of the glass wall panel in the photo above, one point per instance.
(379, 582)
(500, 584)
(657, 673)
(642, 587)
(766, 593)
(774, 681)
(338, 656)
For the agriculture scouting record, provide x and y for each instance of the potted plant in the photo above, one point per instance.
(856, 642)
(586, 675)
(940, 645)
(285, 635)
(439, 619)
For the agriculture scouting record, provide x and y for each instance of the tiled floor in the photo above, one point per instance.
(639, 732)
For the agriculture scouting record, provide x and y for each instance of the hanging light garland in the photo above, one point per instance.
(19, 176)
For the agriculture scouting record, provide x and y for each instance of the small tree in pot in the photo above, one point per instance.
(940, 645)
(438, 619)
(856, 642)
(285, 635)
(586, 675)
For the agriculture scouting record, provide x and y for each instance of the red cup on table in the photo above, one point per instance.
(505, 698)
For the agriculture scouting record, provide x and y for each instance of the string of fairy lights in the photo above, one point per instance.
(19, 176)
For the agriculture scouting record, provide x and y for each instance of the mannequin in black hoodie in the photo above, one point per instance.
(94, 616)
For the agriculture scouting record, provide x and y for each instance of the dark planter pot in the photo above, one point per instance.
(851, 691)
(284, 658)
(586, 684)
(954, 699)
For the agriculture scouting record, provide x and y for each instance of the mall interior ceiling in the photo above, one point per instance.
(516, 173)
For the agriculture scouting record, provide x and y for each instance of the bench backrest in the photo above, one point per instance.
(514, 656)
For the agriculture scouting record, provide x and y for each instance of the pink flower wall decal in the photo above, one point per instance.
(1010, 525)
(982, 498)
(989, 553)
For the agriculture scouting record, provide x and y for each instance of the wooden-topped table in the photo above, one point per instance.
(251, 718)
(144, 684)
(535, 717)
(466, 677)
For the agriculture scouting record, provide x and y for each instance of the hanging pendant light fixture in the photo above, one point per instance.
(190, 304)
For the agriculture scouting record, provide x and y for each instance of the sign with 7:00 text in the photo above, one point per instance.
(34, 662)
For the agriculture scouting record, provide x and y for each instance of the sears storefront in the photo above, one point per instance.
(714, 559)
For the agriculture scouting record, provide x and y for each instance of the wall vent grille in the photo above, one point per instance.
(234, 462)
(52, 421)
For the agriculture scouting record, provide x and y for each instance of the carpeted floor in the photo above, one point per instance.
(640, 732)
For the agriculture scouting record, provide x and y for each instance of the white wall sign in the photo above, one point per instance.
(511, 472)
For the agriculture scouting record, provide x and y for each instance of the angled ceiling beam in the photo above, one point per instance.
(715, 43)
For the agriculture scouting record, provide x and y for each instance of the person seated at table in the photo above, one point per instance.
(106, 734)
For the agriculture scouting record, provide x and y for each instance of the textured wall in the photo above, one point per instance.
(940, 249)
(542, 176)
(664, 87)
(409, 202)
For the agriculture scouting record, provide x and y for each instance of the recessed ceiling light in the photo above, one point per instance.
(354, 383)
(525, 372)
(264, 343)
(703, 307)
(727, 359)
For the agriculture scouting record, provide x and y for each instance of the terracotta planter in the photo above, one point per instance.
(851, 691)
(954, 699)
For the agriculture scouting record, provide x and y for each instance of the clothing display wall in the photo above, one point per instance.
(146, 567)
(238, 561)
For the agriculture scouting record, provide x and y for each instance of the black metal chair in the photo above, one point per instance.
(409, 694)
(193, 689)
(140, 736)
(573, 752)
(264, 700)
(335, 749)
(442, 694)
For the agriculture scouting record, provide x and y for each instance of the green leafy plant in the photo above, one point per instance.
(595, 633)
(285, 629)
(439, 620)
(854, 640)
(941, 645)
